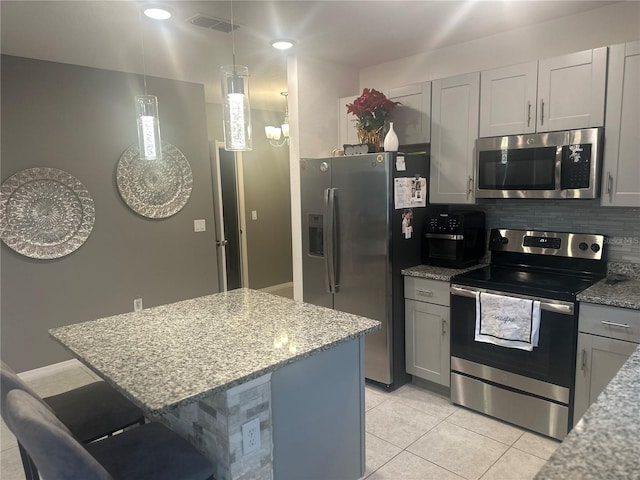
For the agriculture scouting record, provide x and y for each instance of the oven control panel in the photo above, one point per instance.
(572, 245)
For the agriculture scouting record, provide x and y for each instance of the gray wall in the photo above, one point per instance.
(267, 190)
(81, 120)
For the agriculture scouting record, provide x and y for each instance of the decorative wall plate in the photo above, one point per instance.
(155, 188)
(45, 213)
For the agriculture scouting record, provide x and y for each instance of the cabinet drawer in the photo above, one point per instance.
(612, 322)
(427, 290)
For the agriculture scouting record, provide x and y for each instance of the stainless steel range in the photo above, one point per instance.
(533, 389)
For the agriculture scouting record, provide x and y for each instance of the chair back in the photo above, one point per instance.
(54, 450)
(9, 380)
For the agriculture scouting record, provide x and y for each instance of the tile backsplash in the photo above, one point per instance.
(621, 225)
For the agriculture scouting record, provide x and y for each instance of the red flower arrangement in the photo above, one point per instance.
(371, 108)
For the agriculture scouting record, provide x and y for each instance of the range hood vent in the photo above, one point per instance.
(212, 23)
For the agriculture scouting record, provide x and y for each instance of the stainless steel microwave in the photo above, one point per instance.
(563, 164)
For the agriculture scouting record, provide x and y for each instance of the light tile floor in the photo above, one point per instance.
(414, 434)
(411, 434)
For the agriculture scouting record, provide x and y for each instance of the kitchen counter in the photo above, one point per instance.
(174, 354)
(438, 273)
(604, 443)
(625, 294)
(208, 366)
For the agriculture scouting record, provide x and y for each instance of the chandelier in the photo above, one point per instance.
(279, 136)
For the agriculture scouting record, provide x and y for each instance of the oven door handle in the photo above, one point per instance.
(556, 306)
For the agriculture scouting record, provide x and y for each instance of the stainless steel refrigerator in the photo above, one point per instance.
(355, 246)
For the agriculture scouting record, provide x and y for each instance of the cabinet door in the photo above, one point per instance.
(508, 100)
(454, 130)
(571, 91)
(598, 361)
(412, 118)
(621, 172)
(347, 128)
(427, 341)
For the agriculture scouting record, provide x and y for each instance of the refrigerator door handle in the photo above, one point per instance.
(329, 239)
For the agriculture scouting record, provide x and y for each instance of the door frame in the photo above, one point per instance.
(214, 147)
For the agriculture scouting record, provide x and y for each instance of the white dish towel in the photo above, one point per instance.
(507, 321)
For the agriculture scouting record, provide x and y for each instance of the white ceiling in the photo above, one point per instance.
(111, 34)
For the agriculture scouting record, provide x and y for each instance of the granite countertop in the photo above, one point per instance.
(175, 354)
(625, 294)
(438, 273)
(604, 443)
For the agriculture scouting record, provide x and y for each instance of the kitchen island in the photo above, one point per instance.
(209, 366)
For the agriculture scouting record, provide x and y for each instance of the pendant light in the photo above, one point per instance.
(236, 112)
(149, 141)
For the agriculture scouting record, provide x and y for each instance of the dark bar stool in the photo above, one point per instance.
(149, 452)
(90, 412)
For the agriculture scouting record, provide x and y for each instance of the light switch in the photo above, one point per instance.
(199, 225)
(254, 214)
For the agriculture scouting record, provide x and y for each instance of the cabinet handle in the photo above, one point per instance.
(541, 111)
(614, 324)
(444, 327)
(583, 361)
(529, 113)
(470, 185)
(610, 186)
(424, 293)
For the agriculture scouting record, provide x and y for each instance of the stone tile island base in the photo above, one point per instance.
(213, 425)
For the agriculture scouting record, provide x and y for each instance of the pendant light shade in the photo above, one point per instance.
(236, 109)
(149, 142)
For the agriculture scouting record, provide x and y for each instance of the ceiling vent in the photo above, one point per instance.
(212, 23)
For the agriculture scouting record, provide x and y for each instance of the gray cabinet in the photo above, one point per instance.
(607, 337)
(412, 118)
(427, 329)
(559, 93)
(621, 171)
(454, 130)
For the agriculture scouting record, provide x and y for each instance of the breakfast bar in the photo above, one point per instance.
(219, 369)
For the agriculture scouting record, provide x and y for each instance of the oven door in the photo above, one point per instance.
(552, 361)
(531, 389)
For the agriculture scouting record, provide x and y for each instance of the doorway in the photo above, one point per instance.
(231, 242)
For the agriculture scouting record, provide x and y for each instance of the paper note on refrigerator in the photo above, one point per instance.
(409, 192)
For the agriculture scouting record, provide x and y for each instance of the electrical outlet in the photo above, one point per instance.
(251, 436)
(137, 304)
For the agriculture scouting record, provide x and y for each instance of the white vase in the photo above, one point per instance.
(391, 140)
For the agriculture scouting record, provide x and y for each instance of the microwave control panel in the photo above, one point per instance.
(576, 166)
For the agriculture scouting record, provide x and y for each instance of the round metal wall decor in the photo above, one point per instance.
(45, 213)
(155, 188)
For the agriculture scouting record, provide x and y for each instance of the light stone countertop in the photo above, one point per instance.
(438, 273)
(175, 354)
(625, 294)
(605, 442)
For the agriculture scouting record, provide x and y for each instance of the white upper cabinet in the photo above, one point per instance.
(412, 118)
(508, 100)
(560, 93)
(454, 130)
(347, 133)
(621, 170)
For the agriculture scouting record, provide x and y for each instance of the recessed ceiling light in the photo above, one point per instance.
(157, 13)
(282, 44)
